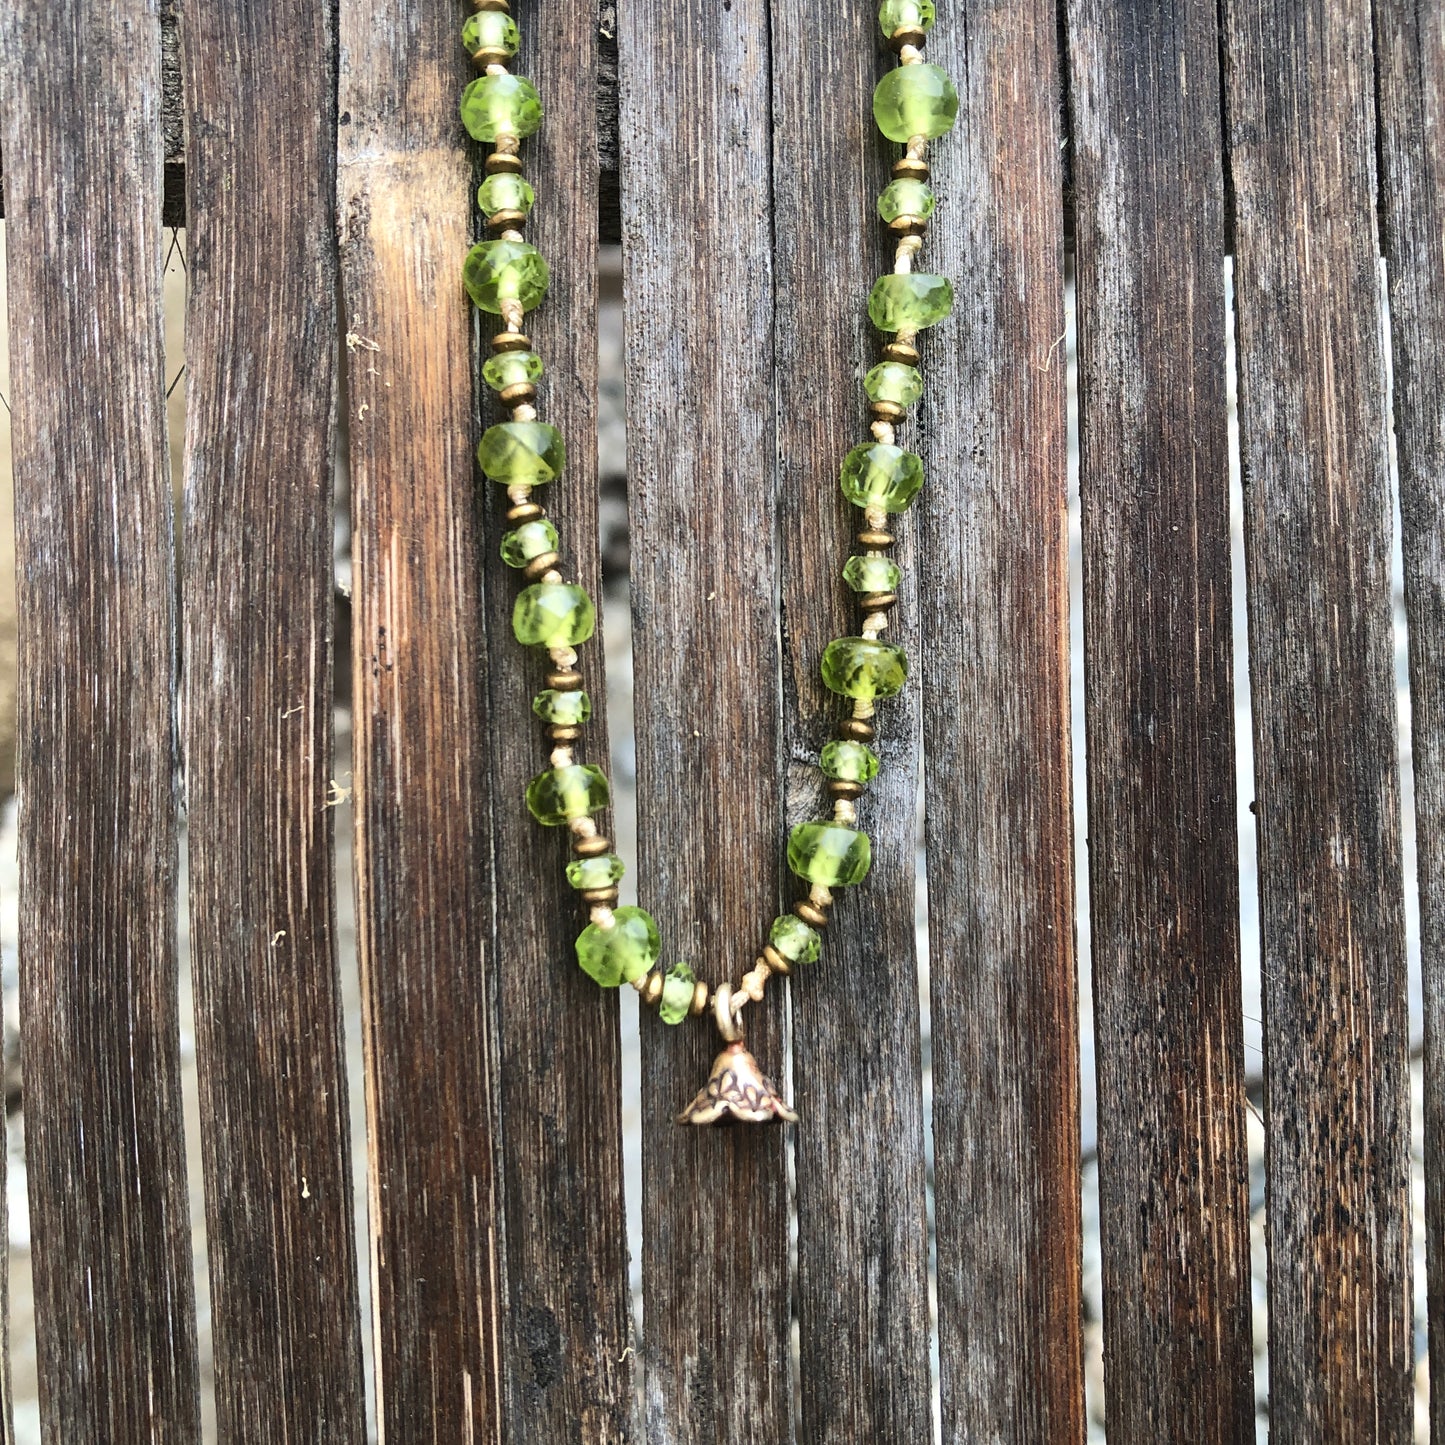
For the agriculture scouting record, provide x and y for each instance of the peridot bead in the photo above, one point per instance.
(794, 939)
(496, 272)
(893, 381)
(553, 614)
(521, 453)
(915, 300)
(899, 14)
(505, 192)
(562, 709)
(678, 988)
(559, 794)
(829, 853)
(849, 761)
(529, 540)
(494, 105)
(600, 872)
(490, 30)
(915, 100)
(906, 197)
(878, 474)
(860, 667)
(872, 574)
(626, 950)
(513, 368)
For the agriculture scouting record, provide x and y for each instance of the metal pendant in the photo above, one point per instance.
(737, 1092)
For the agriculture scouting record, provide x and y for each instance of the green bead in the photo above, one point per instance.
(829, 853)
(599, 872)
(562, 709)
(860, 667)
(872, 574)
(514, 368)
(490, 30)
(892, 381)
(915, 100)
(795, 940)
(878, 474)
(677, 991)
(625, 951)
(848, 761)
(496, 272)
(906, 198)
(905, 14)
(495, 105)
(529, 540)
(559, 794)
(914, 300)
(521, 453)
(553, 614)
(505, 192)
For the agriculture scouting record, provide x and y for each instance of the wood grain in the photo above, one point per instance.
(1410, 76)
(701, 471)
(1163, 848)
(862, 1279)
(994, 598)
(115, 1315)
(566, 1361)
(261, 346)
(1317, 535)
(423, 833)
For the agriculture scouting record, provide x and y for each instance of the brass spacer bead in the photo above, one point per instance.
(501, 220)
(908, 169)
(599, 895)
(869, 538)
(651, 993)
(856, 729)
(499, 164)
(878, 601)
(904, 351)
(564, 681)
(842, 788)
(776, 961)
(888, 411)
(540, 565)
(592, 847)
(908, 225)
(525, 512)
(522, 392)
(564, 733)
(490, 56)
(907, 35)
(511, 341)
(503, 5)
(809, 914)
(699, 999)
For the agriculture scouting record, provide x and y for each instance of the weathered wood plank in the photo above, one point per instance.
(1163, 849)
(701, 467)
(115, 1316)
(994, 598)
(1410, 73)
(261, 345)
(566, 1363)
(862, 1282)
(1317, 533)
(423, 834)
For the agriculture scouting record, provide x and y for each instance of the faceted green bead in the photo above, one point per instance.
(494, 105)
(898, 14)
(553, 614)
(521, 453)
(599, 872)
(677, 991)
(625, 951)
(829, 853)
(893, 381)
(848, 761)
(529, 540)
(794, 939)
(505, 192)
(860, 667)
(878, 474)
(872, 574)
(490, 30)
(915, 300)
(513, 368)
(576, 791)
(906, 198)
(915, 100)
(496, 272)
(562, 709)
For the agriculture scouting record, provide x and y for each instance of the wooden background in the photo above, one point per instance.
(318, 164)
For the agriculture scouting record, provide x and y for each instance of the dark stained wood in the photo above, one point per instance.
(862, 1281)
(566, 1363)
(1163, 848)
(993, 592)
(422, 828)
(1410, 74)
(701, 469)
(1317, 534)
(115, 1315)
(261, 345)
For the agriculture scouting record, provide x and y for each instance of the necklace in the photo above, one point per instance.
(506, 276)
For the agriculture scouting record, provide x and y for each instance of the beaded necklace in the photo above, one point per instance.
(507, 277)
